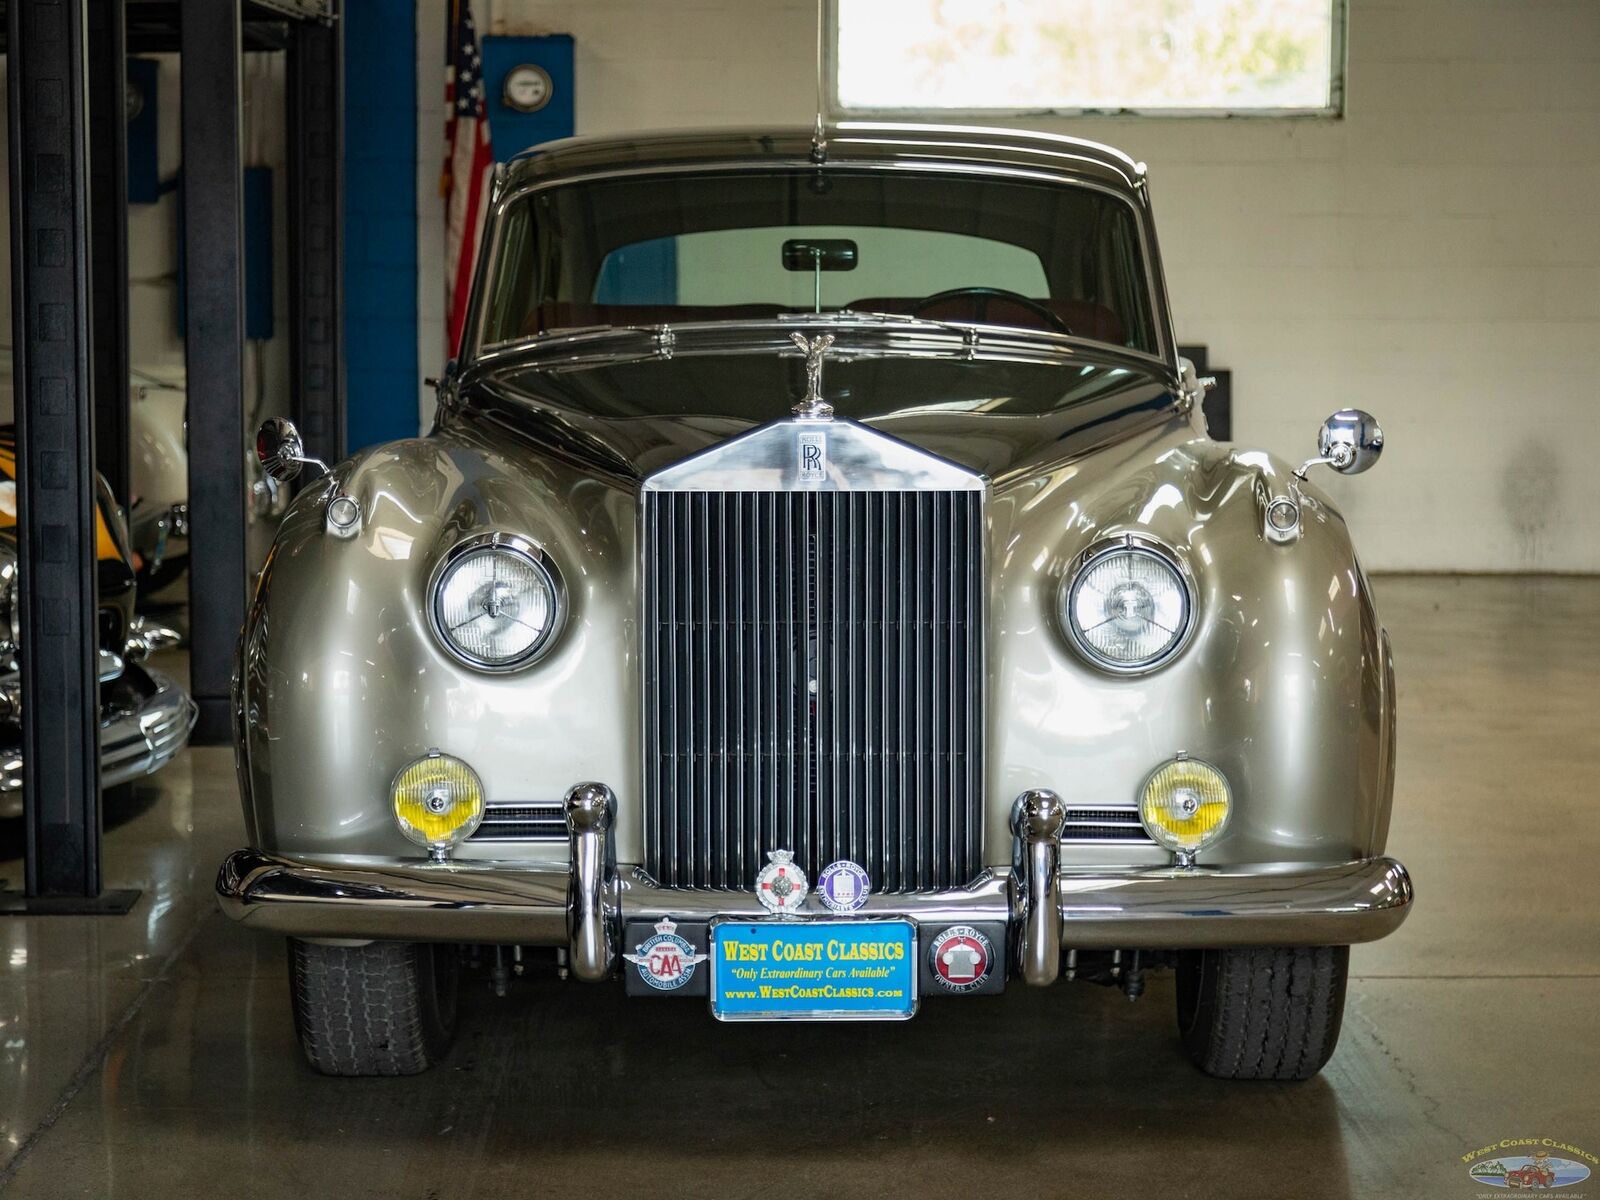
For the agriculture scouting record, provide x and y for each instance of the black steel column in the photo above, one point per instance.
(55, 428)
(316, 233)
(108, 240)
(213, 216)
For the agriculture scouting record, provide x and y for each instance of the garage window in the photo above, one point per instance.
(1030, 57)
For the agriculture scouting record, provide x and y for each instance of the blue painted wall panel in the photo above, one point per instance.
(514, 131)
(380, 215)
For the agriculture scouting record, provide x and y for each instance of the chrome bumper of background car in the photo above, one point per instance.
(584, 908)
(138, 736)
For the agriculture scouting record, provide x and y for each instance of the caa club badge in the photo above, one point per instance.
(666, 961)
(961, 957)
(844, 886)
(781, 887)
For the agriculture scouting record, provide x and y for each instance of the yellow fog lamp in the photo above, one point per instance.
(1184, 805)
(438, 802)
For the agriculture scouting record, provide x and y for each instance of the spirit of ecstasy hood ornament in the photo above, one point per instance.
(813, 407)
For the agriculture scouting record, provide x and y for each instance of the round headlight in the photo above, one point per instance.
(438, 801)
(495, 602)
(1126, 605)
(1185, 804)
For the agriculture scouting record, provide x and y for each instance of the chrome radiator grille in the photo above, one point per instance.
(813, 681)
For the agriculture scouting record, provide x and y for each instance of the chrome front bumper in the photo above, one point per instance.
(1047, 908)
(140, 732)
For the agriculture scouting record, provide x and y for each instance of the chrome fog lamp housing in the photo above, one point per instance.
(495, 602)
(1127, 605)
(1184, 805)
(437, 801)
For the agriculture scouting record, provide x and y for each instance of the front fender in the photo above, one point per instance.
(1283, 684)
(341, 682)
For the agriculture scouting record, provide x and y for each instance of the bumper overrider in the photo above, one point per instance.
(145, 720)
(1042, 906)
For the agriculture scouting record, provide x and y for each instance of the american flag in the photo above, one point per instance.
(468, 162)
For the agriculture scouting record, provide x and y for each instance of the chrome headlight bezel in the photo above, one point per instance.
(510, 544)
(10, 605)
(1141, 545)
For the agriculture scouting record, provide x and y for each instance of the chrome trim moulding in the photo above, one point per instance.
(849, 457)
(134, 742)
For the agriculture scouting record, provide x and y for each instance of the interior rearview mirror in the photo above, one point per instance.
(819, 254)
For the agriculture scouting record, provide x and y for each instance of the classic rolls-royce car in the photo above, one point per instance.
(145, 715)
(818, 596)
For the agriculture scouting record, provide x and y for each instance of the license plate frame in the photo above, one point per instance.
(905, 971)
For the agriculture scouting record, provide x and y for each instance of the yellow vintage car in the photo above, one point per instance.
(145, 716)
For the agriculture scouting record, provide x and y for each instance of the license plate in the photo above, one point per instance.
(813, 970)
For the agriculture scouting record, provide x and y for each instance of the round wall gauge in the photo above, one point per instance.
(528, 88)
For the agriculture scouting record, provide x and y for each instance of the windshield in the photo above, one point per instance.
(666, 248)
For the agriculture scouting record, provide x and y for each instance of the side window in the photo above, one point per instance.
(1125, 268)
(513, 296)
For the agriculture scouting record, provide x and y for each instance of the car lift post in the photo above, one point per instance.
(213, 208)
(47, 57)
(108, 241)
(316, 231)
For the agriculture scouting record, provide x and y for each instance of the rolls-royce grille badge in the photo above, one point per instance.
(813, 454)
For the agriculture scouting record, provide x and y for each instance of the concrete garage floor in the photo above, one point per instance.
(153, 1055)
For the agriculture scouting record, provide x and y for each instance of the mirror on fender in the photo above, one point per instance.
(1350, 441)
(281, 450)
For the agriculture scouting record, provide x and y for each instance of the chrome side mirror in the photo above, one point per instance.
(1350, 441)
(282, 451)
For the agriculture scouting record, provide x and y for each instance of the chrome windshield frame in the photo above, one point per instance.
(475, 350)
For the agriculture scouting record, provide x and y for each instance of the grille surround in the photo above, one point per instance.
(813, 669)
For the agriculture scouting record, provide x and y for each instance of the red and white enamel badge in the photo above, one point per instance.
(666, 961)
(781, 887)
(961, 957)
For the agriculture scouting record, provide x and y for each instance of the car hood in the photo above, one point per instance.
(632, 418)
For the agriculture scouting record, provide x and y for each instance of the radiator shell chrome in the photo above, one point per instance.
(813, 661)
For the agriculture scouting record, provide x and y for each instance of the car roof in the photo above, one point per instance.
(864, 143)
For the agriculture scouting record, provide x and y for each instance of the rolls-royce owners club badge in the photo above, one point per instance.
(843, 886)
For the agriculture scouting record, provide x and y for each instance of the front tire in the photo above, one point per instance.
(1262, 1013)
(386, 1008)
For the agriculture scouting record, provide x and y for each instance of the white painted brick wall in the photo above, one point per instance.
(1434, 256)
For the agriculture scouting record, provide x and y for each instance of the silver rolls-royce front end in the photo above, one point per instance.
(1002, 671)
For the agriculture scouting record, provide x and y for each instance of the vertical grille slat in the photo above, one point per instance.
(813, 682)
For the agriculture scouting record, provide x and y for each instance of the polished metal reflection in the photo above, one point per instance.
(282, 451)
(593, 927)
(1037, 818)
(812, 406)
(792, 455)
(1350, 441)
(1292, 904)
(139, 734)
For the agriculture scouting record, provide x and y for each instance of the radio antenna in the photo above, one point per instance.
(819, 140)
